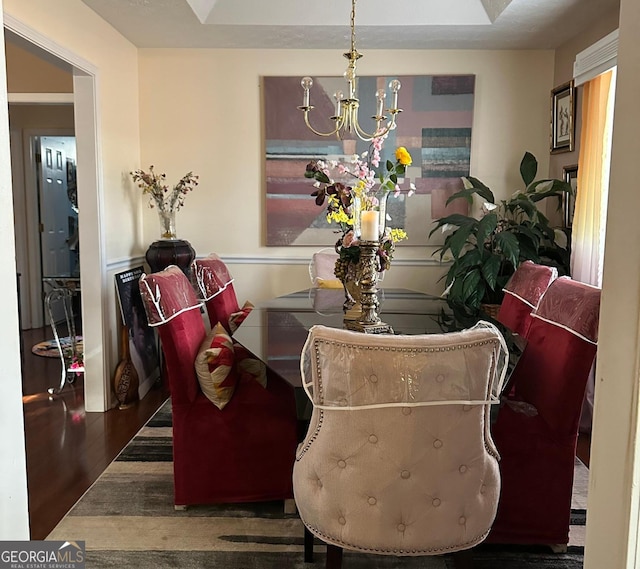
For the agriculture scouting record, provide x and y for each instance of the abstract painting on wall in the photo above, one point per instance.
(435, 126)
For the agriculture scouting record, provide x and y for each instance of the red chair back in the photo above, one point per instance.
(173, 308)
(561, 346)
(215, 288)
(523, 293)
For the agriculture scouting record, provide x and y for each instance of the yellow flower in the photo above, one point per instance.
(339, 217)
(398, 235)
(403, 156)
(360, 188)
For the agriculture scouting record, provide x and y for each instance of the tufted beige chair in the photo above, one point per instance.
(398, 459)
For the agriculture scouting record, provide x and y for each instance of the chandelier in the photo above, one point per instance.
(346, 110)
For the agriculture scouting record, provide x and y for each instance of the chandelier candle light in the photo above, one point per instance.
(346, 110)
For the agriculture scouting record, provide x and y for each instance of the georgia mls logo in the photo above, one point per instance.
(71, 552)
(42, 555)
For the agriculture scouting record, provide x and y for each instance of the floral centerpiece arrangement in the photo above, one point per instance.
(361, 189)
(167, 201)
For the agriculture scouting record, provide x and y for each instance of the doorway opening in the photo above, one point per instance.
(81, 100)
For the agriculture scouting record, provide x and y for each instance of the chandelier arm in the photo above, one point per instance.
(363, 135)
(334, 131)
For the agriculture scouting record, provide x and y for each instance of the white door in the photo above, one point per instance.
(55, 208)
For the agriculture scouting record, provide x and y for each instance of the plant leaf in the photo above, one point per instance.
(481, 189)
(470, 258)
(322, 177)
(459, 237)
(473, 289)
(508, 244)
(490, 270)
(453, 219)
(551, 188)
(528, 168)
(486, 227)
(466, 194)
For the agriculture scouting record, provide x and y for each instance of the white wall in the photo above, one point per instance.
(202, 109)
(14, 511)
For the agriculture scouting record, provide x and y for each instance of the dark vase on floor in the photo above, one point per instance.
(125, 379)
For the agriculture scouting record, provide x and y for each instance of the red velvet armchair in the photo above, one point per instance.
(537, 427)
(523, 293)
(242, 453)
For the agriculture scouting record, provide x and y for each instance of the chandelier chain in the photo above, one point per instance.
(353, 26)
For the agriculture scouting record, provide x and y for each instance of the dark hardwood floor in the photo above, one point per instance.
(67, 448)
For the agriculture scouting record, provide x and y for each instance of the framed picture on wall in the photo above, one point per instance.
(435, 127)
(562, 118)
(569, 175)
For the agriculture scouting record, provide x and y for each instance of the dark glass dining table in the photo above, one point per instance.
(275, 331)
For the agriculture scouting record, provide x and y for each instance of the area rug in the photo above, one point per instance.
(49, 348)
(127, 519)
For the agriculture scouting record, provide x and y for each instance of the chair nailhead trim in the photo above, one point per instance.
(431, 551)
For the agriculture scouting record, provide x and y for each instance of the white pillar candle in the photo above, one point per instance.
(369, 225)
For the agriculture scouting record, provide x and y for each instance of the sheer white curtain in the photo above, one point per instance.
(589, 222)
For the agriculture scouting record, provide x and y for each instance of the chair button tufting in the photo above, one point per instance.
(373, 439)
(401, 527)
(342, 464)
(439, 378)
(342, 521)
(342, 402)
(466, 408)
(462, 520)
(437, 443)
(372, 501)
(406, 410)
(319, 483)
(373, 378)
(405, 474)
(483, 489)
(462, 469)
(435, 502)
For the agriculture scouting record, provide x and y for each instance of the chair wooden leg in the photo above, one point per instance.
(290, 506)
(308, 546)
(334, 557)
(463, 559)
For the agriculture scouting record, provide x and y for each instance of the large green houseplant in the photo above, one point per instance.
(486, 250)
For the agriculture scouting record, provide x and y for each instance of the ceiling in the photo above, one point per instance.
(380, 24)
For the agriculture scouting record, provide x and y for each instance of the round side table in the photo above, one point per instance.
(165, 252)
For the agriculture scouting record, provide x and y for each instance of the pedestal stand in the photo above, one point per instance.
(165, 252)
(369, 321)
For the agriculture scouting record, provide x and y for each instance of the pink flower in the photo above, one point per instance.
(350, 240)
